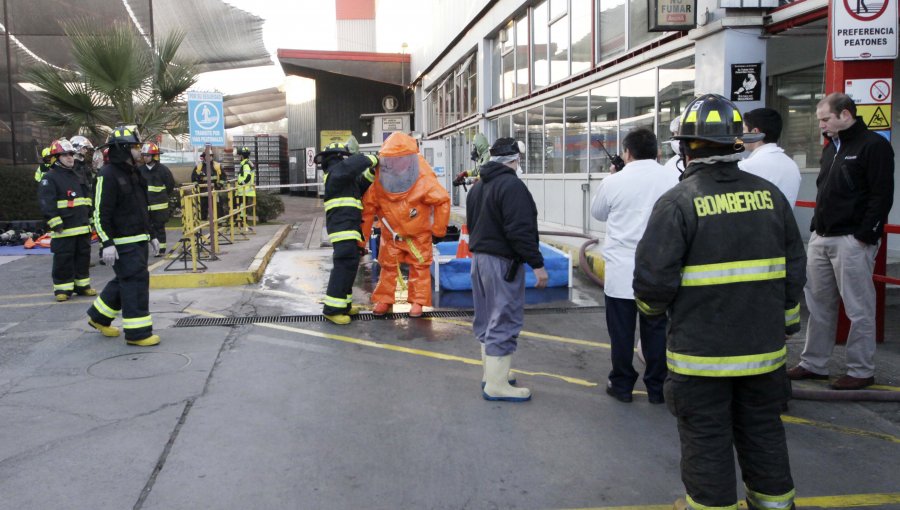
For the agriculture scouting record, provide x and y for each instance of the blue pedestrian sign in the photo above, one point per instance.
(207, 118)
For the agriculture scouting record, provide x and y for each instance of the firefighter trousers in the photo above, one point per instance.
(717, 415)
(340, 283)
(158, 221)
(71, 263)
(128, 293)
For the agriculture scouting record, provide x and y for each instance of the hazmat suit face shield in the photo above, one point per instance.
(397, 174)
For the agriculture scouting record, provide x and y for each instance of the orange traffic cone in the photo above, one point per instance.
(462, 249)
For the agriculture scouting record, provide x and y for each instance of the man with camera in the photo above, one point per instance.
(502, 219)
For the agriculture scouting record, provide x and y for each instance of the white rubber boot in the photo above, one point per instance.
(511, 378)
(496, 371)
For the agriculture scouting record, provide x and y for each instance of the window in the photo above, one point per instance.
(519, 133)
(604, 125)
(637, 23)
(582, 39)
(559, 49)
(535, 144)
(503, 127)
(795, 95)
(456, 97)
(508, 63)
(554, 145)
(523, 75)
(577, 154)
(637, 102)
(612, 29)
(539, 63)
(676, 90)
(472, 79)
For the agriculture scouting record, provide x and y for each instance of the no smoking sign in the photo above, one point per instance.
(869, 91)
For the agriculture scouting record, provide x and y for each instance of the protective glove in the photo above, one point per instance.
(460, 178)
(154, 246)
(109, 255)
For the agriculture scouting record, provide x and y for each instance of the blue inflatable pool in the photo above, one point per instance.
(450, 273)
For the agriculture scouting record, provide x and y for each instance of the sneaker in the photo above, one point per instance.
(799, 373)
(62, 297)
(109, 331)
(144, 342)
(415, 311)
(340, 319)
(381, 309)
(848, 382)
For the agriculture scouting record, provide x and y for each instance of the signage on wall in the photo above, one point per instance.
(392, 123)
(746, 82)
(310, 164)
(864, 29)
(327, 136)
(667, 15)
(873, 98)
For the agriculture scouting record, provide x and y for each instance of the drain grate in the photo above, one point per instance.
(189, 322)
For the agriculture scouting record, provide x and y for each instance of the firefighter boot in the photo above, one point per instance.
(144, 342)
(496, 387)
(62, 297)
(339, 318)
(680, 504)
(87, 291)
(110, 331)
(510, 376)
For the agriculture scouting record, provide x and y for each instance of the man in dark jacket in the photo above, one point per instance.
(855, 193)
(64, 197)
(160, 187)
(347, 177)
(503, 233)
(123, 225)
(723, 255)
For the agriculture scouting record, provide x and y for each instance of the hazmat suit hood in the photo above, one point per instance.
(398, 167)
(481, 148)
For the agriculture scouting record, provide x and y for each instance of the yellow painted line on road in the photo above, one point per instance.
(397, 348)
(20, 296)
(837, 428)
(840, 501)
(48, 303)
(532, 334)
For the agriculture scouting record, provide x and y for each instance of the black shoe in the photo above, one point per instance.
(621, 398)
(656, 399)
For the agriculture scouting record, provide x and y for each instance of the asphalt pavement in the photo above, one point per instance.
(305, 414)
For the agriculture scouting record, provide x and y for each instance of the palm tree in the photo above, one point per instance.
(117, 80)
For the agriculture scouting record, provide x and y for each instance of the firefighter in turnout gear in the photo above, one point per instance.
(723, 255)
(246, 180)
(66, 203)
(160, 186)
(123, 224)
(198, 176)
(347, 177)
(44, 167)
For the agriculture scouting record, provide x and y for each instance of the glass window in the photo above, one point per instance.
(577, 154)
(519, 133)
(637, 23)
(472, 78)
(636, 102)
(540, 66)
(676, 90)
(462, 92)
(494, 127)
(554, 144)
(604, 125)
(523, 75)
(581, 35)
(496, 92)
(795, 95)
(559, 44)
(612, 28)
(557, 8)
(535, 145)
(503, 126)
(508, 77)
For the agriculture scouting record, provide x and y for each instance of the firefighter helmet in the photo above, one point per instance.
(122, 136)
(331, 150)
(245, 152)
(61, 146)
(712, 118)
(81, 142)
(45, 153)
(150, 148)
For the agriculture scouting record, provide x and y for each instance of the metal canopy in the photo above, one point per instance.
(391, 68)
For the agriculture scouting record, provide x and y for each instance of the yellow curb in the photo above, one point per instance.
(225, 278)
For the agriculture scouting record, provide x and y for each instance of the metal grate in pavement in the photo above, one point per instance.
(189, 322)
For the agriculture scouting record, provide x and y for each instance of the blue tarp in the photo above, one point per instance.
(20, 250)
(455, 273)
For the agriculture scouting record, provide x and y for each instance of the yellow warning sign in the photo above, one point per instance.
(876, 116)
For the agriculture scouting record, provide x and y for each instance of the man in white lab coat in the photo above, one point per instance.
(767, 159)
(624, 201)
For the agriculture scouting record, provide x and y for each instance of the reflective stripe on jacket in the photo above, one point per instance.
(723, 256)
(65, 201)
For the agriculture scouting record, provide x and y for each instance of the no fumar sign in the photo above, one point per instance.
(864, 29)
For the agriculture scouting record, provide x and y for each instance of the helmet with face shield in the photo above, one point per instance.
(398, 163)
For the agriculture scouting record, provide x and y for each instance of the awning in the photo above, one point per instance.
(392, 68)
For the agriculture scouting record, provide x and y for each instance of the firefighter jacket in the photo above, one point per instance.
(503, 217)
(723, 255)
(246, 179)
(199, 174)
(160, 185)
(855, 185)
(120, 205)
(346, 180)
(65, 201)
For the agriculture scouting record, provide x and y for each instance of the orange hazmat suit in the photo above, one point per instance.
(412, 206)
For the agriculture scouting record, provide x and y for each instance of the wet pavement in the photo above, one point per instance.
(376, 414)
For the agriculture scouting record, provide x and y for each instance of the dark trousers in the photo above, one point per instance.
(71, 263)
(128, 292)
(343, 274)
(621, 316)
(717, 415)
(158, 221)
